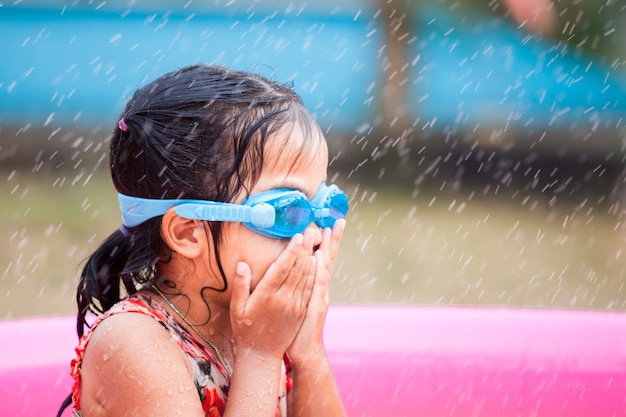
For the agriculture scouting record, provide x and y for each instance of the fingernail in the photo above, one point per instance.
(241, 268)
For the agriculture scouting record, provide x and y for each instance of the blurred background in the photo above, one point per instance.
(482, 142)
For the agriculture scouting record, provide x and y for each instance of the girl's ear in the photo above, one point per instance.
(183, 236)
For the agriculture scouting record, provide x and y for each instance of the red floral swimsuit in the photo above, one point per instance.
(210, 378)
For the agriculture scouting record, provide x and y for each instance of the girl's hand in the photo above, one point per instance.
(267, 319)
(309, 341)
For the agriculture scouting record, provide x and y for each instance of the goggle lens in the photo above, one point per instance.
(293, 215)
(336, 203)
(294, 212)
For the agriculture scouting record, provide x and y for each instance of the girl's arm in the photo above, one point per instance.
(315, 391)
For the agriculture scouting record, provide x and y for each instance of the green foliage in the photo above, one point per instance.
(588, 27)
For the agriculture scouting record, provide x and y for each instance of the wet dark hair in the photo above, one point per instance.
(199, 132)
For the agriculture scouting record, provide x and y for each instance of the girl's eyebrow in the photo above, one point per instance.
(285, 181)
(288, 183)
(291, 186)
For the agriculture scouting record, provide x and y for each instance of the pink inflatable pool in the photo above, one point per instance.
(397, 361)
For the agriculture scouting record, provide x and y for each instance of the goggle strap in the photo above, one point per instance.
(136, 210)
(214, 212)
(255, 212)
(260, 215)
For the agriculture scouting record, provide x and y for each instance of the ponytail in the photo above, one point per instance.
(124, 263)
(102, 277)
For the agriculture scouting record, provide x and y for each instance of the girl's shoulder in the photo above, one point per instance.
(140, 303)
(138, 336)
(131, 316)
(131, 361)
(125, 328)
(136, 313)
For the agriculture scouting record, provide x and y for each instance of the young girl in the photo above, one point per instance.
(210, 299)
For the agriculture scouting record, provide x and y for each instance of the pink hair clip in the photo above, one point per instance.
(122, 125)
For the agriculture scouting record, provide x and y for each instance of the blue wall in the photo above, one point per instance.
(78, 65)
(81, 65)
(476, 71)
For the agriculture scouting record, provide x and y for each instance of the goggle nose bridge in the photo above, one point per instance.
(320, 213)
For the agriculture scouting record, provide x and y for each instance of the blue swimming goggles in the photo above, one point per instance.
(279, 213)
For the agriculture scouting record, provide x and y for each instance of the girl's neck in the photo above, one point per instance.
(211, 319)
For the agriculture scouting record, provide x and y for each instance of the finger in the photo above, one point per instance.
(330, 242)
(326, 242)
(280, 269)
(241, 289)
(320, 296)
(302, 264)
(307, 282)
(337, 234)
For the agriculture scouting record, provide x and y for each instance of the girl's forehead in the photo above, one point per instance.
(292, 147)
(294, 162)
